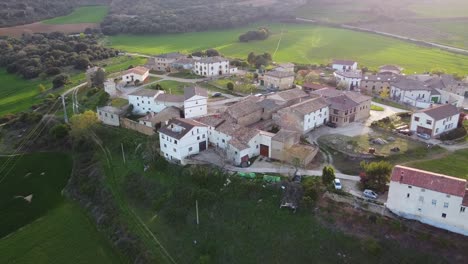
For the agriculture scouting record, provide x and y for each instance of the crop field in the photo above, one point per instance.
(453, 164)
(41, 176)
(307, 44)
(84, 14)
(64, 235)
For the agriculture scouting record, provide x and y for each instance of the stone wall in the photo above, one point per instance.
(133, 125)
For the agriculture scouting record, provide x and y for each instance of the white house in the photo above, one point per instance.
(135, 74)
(304, 116)
(344, 65)
(413, 92)
(181, 138)
(143, 101)
(435, 120)
(110, 115)
(435, 199)
(350, 78)
(196, 101)
(212, 66)
(164, 100)
(110, 87)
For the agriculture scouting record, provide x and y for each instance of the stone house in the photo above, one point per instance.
(246, 112)
(379, 84)
(163, 62)
(350, 79)
(155, 120)
(110, 115)
(281, 80)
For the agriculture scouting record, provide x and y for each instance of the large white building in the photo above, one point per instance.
(153, 101)
(181, 138)
(351, 79)
(435, 120)
(110, 115)
(196, 101)
(344, 65)
(135, 74)
(213, 66)
(413, 92)
(435, 199)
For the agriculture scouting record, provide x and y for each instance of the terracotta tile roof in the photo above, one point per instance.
(190, 92)
(111, 109)
(185, 124)
(379, 78)
(244, 107)
(288, 95)
(349, 74)
(285, 134)
(211, 121)
(342, 102)
(328, 92)
(357, 97)
(146, 92)
(307, 107)
(429, 180)
(238, 144)
(212, 59)
(410, 84)
(344, 62)
(439, 112)
(137, 70)
(166, 114)
(390, 68)
(314, 86)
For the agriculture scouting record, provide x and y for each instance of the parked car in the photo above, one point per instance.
(217, 94)
(337, 184)
(424, 136)
(405, 132)
(370, 194)
(330, 124)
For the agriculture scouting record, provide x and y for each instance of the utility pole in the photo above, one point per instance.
(123, 153)
(64, 110)
(196, 206)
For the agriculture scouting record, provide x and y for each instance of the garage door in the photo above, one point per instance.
(202, 145)
(424, 130)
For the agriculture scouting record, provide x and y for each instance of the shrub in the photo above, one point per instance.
(60, 81)
(59, 131)
(454, 134)
(230, 86)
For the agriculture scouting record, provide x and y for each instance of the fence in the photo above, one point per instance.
(133, 125)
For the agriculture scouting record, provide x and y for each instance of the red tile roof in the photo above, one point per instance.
(429, 180)
(137, 70)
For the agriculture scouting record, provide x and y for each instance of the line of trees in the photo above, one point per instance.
(43, 55)
(260, 34)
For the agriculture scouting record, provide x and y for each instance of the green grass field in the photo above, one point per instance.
(84, 14)
(440, 9)
(64, 235)
(454, 164)
(302, 44)
(42, 175)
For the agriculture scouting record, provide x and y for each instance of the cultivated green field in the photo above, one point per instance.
(302, 44)
(84, 14)
(64, 235)
(454, 164)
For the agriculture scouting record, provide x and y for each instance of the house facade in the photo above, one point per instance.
(435, 199)
(280, 80)
(137, 74)
(181, 138)
(212, 66)
(143, 101)
(413, 92)
(435, 120)
(155, 120)
(163, 62)
(351, 80)
(344, 65)
(379, 84)
(196, 102)
(110, 115)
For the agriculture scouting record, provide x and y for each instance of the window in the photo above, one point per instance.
(462, 209)
(198, 138)
(444, 215)
(429, 122)
(423, 190)
(434, 202)
(257, 146)
(223, 141)
(446, 205)
(175, 150)
(416, 118)
(112, 116)
(409, 187)
(175, 142)
(448, 195)
(162, 137)
(165, 146)
(407, 195)
(203, 136)
(190, 149)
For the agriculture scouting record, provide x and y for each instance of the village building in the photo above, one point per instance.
(304, 116)
(285, 67)
(110, 87)
(246, 112)
(431, 198)
(163, 62)
(195, 102)
(379, 84)
(153, 101)
(134, 75)
(213, 66)
(110, 115)
(155, 120)
(390, 70)
(344, 65)
(183, 64)
(449, 84)
(309, 87)
(280, 80)
(286, 147)
(181, 138)
(413, 92)
(346, 107)
(350, 80)
(435, 120)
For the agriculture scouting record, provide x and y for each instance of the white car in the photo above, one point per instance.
(424, 136)
(337, 184)
(370, 194)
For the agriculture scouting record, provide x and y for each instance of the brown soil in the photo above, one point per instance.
(39, 27)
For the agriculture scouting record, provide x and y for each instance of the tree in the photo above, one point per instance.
(212, 53)
(41, 88)
(59, 131)
(60, 81)
(251, 58)
(385, 93)
(376, 175)
(438, 71)
(328, 175)
(81, 124)
(82, 63)
(230, 86)
(98, 78)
